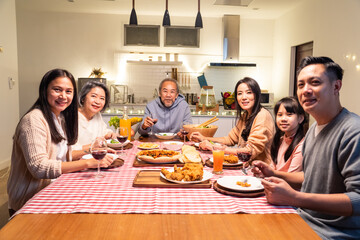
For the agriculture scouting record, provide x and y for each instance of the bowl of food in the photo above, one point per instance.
(165, 135)
(207, 131)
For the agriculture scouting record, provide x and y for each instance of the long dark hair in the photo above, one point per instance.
(241, 113)
(87, 88)
(70, 113)
(292, 105)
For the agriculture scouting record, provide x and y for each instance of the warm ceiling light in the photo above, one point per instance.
(133, 17)
(166, 19)
(198, 21)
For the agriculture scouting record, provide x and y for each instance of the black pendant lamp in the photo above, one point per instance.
(198, 21)
(133, 17)
(166, 19)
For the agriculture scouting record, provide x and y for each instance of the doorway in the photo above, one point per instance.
(297, 54)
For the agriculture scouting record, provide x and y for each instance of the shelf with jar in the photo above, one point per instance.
(142, 62)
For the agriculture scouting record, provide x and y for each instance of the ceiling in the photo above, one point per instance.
(260, 9)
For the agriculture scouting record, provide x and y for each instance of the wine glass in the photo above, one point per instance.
(153, 116)
(98, 150)
(244, 154)
(183, 131)
(122, 134)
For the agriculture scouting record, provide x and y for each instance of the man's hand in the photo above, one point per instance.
(149, 122)
(278, 191)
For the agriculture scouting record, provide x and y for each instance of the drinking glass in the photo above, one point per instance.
(244, 154)
(153, 116)
(183, 130)
(122, 134)
(98, 150)
(218, 158)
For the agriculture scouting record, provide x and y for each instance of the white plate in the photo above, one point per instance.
(88, 156)
(165, 136)
(206, 176)
(149, 148)
(229, 182)
(173, 145)
(196, 144)
(226, 163)
(116, 145)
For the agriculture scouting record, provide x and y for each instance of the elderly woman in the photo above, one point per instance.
(94, 97)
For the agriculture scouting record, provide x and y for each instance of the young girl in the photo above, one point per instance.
(289, 136)
(41, 144)
(254, 128)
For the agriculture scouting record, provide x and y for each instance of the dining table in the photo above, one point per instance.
(79, 206)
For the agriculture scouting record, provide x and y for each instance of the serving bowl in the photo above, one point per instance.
(116, 143)
(165, 135)
(208, 131)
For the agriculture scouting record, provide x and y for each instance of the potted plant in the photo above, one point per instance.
(97, 73)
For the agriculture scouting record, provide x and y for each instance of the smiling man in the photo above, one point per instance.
(329, 199)
(167, 112)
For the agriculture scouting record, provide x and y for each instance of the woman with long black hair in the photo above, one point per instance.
(254, 129)
(43, 138)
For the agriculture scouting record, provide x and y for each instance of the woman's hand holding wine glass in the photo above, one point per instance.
(98, 150)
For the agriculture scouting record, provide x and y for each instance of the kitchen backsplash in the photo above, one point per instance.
(143, 79)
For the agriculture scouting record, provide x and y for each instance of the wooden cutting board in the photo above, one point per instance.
(151, 178)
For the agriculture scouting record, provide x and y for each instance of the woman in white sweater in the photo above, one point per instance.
(94, 98)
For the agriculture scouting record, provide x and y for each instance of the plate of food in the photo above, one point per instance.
(165, 135)
(190, 173)
(147, 146)
(241, 183)
(113, 143)
(158, 156)
(230, 160)
(172, 145)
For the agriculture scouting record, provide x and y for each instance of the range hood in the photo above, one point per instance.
(231, 26)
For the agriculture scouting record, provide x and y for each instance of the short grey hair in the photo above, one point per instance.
(87, 88)
(169, 80)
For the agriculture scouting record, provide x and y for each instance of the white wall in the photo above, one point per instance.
(79, 42)
(333, 27)
(9, 98)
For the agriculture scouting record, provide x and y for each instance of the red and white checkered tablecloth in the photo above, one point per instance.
(80, 193)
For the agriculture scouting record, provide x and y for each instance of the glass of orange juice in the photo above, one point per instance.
(218, 158)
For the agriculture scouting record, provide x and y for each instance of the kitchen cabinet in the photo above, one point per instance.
(142, 35)
(178, 36)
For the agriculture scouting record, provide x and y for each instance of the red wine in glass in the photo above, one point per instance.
(244, 156)
(121, 138)
(98, 154)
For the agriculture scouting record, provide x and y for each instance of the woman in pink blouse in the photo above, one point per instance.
(287, 143)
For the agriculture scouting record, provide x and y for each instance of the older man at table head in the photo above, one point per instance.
(329, 200)
(167, 112)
